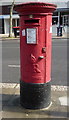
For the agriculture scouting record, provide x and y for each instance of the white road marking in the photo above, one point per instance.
(14, 66)
(8, 85)
(16, 85)
(59, 88)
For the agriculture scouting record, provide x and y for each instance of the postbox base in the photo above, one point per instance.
(35, 96)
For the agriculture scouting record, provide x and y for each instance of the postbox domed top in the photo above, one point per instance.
(34, 7)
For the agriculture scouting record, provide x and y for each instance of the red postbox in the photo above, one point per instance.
(35, 53)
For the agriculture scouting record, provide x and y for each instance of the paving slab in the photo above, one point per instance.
(11, 107)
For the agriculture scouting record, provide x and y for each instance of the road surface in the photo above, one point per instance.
(11, 61)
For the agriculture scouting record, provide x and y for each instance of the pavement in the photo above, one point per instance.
(11, 107)
(5, 37)
(10, 101)
(54, 36)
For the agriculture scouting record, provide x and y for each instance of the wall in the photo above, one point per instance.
(6, 26)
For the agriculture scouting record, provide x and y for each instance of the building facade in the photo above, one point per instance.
(4, 19)
(60, 16)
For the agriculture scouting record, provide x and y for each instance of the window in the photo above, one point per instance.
(66, 20)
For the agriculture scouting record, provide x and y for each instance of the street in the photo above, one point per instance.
(11, 61)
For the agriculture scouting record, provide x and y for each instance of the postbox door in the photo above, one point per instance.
(33, 54)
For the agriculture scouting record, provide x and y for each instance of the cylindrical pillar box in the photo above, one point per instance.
(35, 53)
